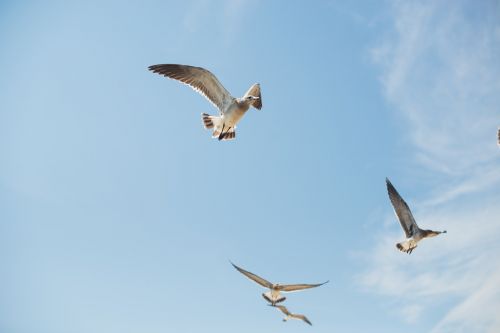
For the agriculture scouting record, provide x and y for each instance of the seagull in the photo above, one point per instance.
(498, 142)
(273, 296)
(289, 315)
(413, 233)
(231, 109)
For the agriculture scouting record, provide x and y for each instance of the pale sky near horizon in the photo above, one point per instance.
(119, 212)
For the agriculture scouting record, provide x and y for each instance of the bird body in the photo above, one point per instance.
(231, 109)
(413, 233)
(411, 243)
(226, 122)
(274, 296)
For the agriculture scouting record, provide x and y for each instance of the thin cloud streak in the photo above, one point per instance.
(441, 73)
(230, 19)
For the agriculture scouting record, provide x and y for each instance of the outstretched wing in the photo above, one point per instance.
(263, 282)
(255, 91)
(297, 287)
(283, 309)
(200, 79)
(402, 211)
(302, 317)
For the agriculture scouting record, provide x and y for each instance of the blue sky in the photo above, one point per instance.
(119, 213)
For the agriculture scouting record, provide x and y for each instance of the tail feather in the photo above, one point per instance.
(279, 300)
(207, 120)
(406, 246)
(267, 298)
(215, 123)
(231, 135)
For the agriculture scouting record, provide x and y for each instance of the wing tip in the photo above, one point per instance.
(153, 67)
(390, 187)
(158, 67)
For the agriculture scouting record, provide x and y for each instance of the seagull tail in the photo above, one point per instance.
(229, 135)
(216, 123)
(208, 120)
(406, 246)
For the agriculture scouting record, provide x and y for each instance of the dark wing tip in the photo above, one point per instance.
(161, 68)
(390, 188)
(154, 68)
(320, 284)
(388, 182)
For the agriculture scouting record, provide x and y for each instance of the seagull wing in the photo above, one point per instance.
(301, 317)
(402, 211)
(283, 309)
(263, 282)
(200, 79)
(297, 287)
(255, 91)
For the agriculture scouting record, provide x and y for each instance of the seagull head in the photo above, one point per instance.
(248, 100)
(432, 233)
(251, 98)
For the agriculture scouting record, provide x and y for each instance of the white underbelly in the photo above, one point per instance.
(231, 118)
(411, 242)
(273, 295)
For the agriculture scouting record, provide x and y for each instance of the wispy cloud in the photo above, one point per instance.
(478, 312)
(441, 73)
(230, 15)
(192, 18)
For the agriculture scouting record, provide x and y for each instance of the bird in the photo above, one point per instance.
(231, 109)
(413, 233)
(273, 296)
(498, 135)
(289, 315)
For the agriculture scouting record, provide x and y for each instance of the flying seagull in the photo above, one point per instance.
(273, 296)
(231, 109)
(289, 315)
(413, 233)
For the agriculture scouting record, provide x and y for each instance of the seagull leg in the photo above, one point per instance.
(221, 135)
